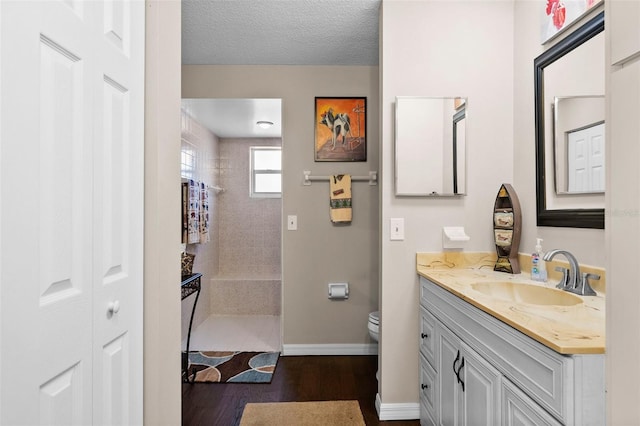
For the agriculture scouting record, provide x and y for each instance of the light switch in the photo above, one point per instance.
(396, 232)
(292, 222)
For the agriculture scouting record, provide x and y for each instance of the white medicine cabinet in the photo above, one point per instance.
(430, 146)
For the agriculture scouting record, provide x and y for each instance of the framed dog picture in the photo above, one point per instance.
(340, 129)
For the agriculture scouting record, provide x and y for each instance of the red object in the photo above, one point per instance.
(559, 12)
(559, 15)
(550, 5)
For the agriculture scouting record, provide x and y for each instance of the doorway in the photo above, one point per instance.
(232, 147)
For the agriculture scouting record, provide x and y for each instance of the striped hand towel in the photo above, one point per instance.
(340, 198)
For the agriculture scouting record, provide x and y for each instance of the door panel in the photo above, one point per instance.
(46, 290)
(585, 158)
(448, 395)
(71, 120)
(482, 390)
(115, 365)
(61, 399)
(118, 205)
(520, 410)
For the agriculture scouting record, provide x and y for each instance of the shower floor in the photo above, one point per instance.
(236, 333)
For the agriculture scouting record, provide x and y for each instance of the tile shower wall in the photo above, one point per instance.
(249, 275)
(200, 151)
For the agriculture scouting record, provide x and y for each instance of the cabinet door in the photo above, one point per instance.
(428, 387)
(427, 336)
(520, 410)
(449, 391)
(468, 386)
(480, 383)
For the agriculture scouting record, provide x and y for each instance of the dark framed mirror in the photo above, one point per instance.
(546, 215)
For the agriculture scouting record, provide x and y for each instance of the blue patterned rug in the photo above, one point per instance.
(232, 367)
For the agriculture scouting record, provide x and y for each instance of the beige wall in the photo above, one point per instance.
(431, 48)
(622, 222)
(586, 244)
(318, 252)
(162, 404)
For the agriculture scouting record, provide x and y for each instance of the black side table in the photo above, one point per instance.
(190, 284)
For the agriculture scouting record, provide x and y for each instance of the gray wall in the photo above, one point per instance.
(318, 252)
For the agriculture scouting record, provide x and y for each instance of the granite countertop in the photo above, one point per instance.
(577, 329)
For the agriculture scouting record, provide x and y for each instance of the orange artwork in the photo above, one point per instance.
(340, 129)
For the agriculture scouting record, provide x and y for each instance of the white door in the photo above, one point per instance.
(71, 81)
(586, 160)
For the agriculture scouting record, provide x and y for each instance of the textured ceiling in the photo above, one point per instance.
(280, 32)
(271, 32)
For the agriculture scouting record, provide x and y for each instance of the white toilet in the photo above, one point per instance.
(374, 325)
(374, 330)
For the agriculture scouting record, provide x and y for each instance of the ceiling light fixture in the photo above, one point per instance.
(264, 124)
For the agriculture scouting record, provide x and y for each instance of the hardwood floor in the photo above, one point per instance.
(297, 378)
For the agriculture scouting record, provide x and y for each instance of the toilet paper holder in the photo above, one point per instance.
(338, 291)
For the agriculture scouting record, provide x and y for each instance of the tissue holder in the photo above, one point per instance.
(338, 290)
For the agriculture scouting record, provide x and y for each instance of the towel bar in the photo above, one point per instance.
(372, 178)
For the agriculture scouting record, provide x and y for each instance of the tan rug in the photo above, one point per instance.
(320, 413)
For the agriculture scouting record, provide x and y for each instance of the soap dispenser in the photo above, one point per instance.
(538, 264)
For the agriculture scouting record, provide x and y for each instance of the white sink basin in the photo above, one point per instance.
(527, 293)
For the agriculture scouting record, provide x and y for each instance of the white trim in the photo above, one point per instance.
(401, 411)
(331, 349)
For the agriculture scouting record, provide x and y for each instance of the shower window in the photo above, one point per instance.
(188, 154)
(266, 172)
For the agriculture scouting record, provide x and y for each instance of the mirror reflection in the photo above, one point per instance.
(579, 141)
(569, 118)
(430, 146)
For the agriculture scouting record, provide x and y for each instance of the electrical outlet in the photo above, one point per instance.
(292, 222)
(396, 232)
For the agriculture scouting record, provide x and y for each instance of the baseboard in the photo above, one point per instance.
(331, 349)
(403, 411)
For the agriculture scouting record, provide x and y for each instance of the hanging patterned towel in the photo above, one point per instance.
(204, 213)
(193, 221)
(340, 198)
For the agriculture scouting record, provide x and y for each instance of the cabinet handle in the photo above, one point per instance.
(424, 335)
(458, 374)
(424, 386)
(454, 365)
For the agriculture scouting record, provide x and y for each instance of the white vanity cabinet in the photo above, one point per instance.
(468, 387)
(518, 409)
(477, 370)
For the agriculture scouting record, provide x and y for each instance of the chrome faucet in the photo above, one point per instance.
(572, 280)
